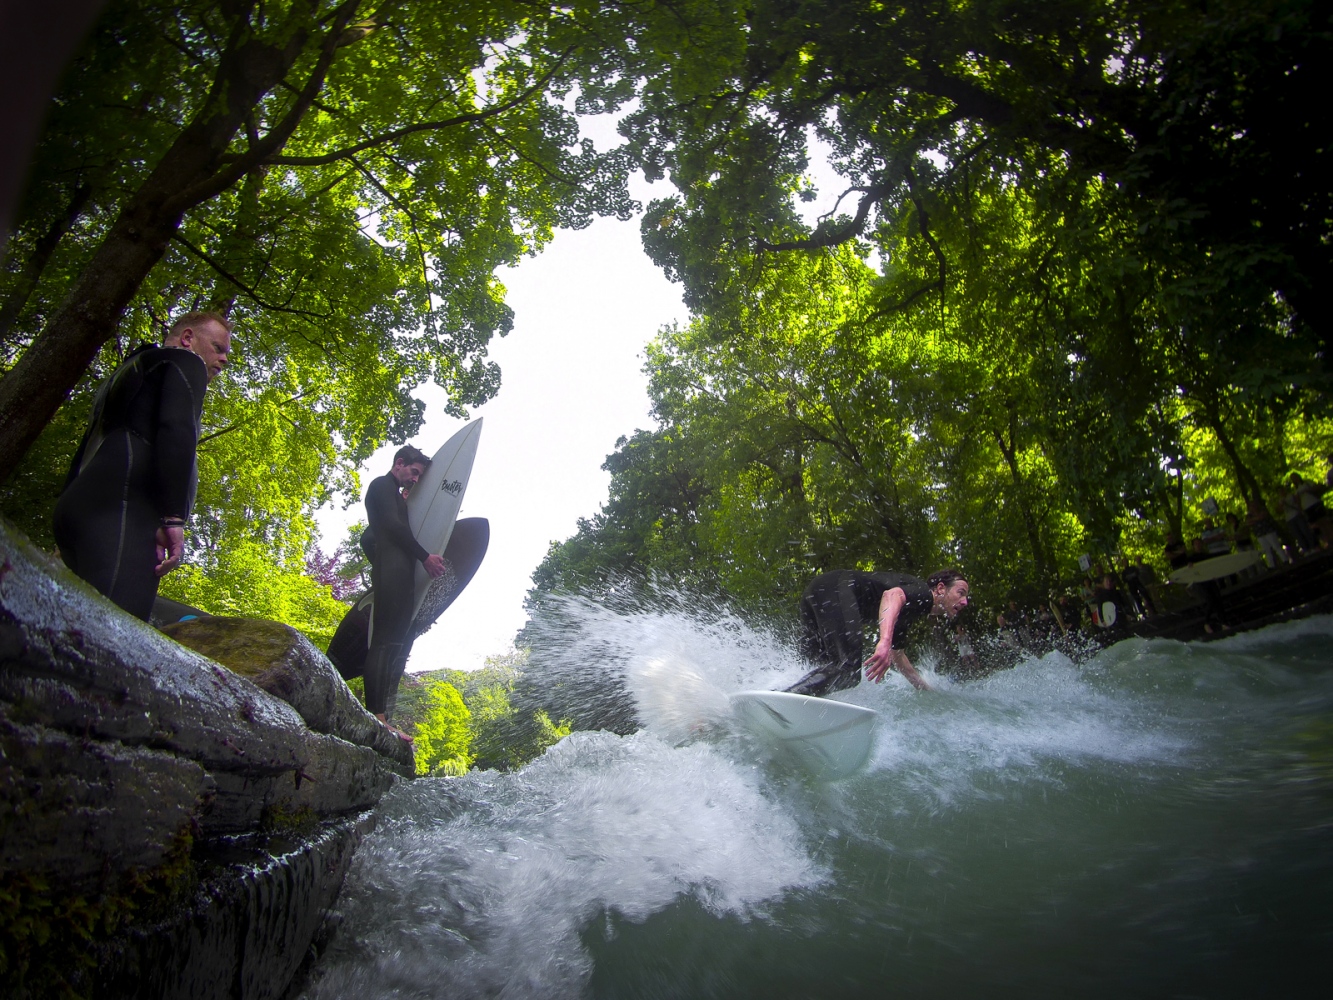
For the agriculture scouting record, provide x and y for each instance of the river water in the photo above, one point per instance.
(1155, 821)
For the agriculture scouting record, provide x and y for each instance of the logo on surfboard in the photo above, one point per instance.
(451, 486)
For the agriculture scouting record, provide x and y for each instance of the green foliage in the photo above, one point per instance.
(1068, 287)
(500, 735)
(444, 734)
(802, 427)
(255, 581)
(1046, 317)
(354, 238)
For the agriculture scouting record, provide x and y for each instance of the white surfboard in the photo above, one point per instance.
(831, 738)
(1216, 567)
(432, 506)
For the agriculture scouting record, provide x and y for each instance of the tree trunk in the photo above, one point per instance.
(33, 267)
(1250, 490)
(1175, 512)
(190, 172)
(1010, 453)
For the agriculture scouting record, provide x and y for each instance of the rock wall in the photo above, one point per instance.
(118, 746)
(248, 929)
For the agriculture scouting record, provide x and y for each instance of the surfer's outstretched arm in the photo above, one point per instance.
(890, 606)
(885, 656)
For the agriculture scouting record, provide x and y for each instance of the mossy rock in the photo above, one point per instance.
(287, 665)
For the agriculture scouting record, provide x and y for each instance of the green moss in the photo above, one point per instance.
(278, 820)
(50, 941)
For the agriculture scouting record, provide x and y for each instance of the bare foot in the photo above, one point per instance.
(395, 730)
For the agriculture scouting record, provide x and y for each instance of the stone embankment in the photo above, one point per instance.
(172, 824)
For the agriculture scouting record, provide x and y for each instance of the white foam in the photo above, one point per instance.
(481, 886)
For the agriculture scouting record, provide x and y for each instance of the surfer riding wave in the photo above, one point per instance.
(836, 606)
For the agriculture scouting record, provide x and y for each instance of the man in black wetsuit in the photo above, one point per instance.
(835, 607)
(120, 521)
(393, 552)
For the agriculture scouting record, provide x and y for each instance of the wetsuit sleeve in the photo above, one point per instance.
(383, 514)
(919, 603)
(183, 381)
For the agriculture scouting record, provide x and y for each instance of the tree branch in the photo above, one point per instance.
(248, 420)
(831, 238)
(247, 289)
(406, 130)
(277, 136)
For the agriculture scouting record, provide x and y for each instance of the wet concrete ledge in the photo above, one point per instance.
(130, 764)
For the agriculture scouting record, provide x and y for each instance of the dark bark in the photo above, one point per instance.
(33, 267)
(1250, 490)
(38, 40)
(194, 169)
(1010, 452)
(1173, 504)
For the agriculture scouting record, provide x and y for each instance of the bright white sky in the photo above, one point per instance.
(572, 383)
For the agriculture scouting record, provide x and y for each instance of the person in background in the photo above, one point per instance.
(1134, 587)
(1264, 530)
(1005, 633)
(1297, 523)
(1087, 593)
(1176, 552)
(120, 521)
(394, 552)
(1312, 504)
(1148, 577)
(1215, 540)
(1239, 534)
(1067, 608)
(1106, 593)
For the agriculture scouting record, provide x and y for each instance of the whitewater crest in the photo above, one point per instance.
(482, 885)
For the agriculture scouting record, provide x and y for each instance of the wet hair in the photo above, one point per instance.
(948, 577)
(409, 455)
(195, 319)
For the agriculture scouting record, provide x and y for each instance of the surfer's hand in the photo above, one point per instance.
(434, 565)
(880, 660)
(170, 547)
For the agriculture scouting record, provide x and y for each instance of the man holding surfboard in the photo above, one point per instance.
(393, 552)
(836, 606)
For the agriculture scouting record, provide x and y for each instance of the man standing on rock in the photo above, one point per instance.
(120, 522)
(394, 553)
(835, 607)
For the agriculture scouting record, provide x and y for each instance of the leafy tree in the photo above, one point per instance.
(1032, 415)
(443, 735)
(282, 167)
(1178, 107)
(501, 735)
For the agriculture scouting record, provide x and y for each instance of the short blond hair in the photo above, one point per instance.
(194, 319)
